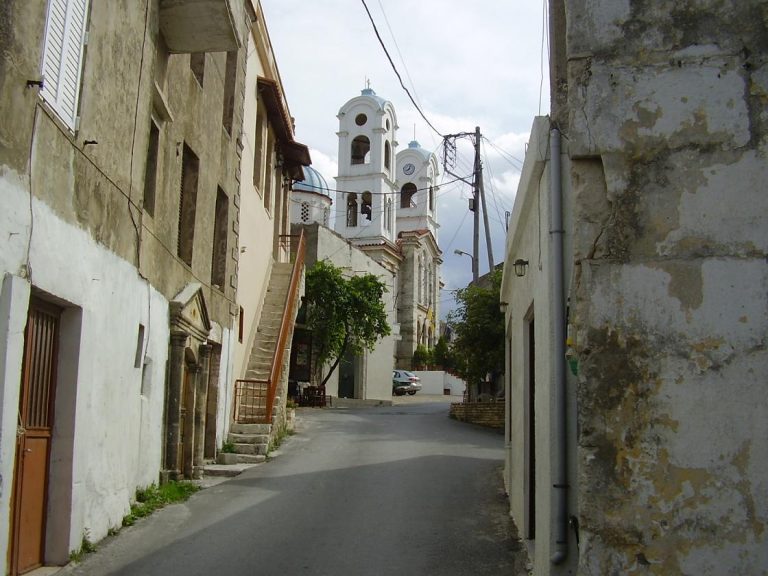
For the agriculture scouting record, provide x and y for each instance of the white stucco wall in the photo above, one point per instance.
(376, 379)
(256, 227)
(437, 381)
(529, 299)
(108, 431)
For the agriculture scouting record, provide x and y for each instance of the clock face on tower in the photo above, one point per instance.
(408, 169)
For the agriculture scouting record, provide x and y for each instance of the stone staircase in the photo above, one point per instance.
(251, 441)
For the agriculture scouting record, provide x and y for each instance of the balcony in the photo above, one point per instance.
(201, 25)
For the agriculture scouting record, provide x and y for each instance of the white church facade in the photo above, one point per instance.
(383, 213)
(386, 206)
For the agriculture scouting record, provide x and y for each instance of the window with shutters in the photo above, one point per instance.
(63, 57)
(190, 167)
(219, 256)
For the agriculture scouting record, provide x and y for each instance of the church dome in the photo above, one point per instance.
(313, 182)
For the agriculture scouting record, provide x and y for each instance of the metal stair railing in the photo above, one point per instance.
(251, 401)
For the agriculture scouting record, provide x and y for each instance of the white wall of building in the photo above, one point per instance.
(109, 413)
(376, 378)
(437, 382)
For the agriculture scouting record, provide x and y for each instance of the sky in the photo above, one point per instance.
(466, 64)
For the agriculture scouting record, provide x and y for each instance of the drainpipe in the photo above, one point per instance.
(558, 316)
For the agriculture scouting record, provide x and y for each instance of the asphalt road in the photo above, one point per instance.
(400, 490)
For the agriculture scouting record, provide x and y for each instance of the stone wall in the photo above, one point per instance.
(490, 414)
(668, 136)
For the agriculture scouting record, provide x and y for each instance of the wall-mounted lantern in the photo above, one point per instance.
(520, 267)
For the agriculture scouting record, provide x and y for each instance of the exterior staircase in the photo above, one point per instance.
(251, 441)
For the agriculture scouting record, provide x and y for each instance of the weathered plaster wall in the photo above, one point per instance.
(667, 129)
(102, 407)
(76, 230)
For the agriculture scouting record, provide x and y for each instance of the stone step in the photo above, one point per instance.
(248, 438)
(251, 428)
(257, 449)
(225, 470)
(229, 458)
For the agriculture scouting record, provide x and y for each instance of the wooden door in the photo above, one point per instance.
(36, 402)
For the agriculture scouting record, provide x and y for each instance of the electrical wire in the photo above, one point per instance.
(400, 78)
(395, 193)
(513, 160)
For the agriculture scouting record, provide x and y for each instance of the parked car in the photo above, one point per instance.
(404, 382)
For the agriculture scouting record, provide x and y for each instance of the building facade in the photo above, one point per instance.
(636, 329)
(120, 198)
(386, 206)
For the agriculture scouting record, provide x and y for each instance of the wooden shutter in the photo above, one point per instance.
(63, 56)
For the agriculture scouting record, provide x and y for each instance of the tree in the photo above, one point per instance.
(343, 314)
(478, 323)
(422, 357)
(441, 354)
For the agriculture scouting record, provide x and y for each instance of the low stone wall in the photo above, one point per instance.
(489, 414)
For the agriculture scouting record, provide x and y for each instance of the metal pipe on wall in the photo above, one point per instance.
(556, 232)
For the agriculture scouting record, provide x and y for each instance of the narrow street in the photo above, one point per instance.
(400, 490)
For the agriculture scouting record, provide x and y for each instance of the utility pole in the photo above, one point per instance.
(476, 208)
(481, 190)
(478, 195)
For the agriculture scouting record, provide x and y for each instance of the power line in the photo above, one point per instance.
(513, 160)
(396, 192)
(400, 78)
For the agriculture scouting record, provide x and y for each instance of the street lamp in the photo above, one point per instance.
(474, 269)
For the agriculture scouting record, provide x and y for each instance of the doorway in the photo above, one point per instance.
(347, 370)
(34, 438)
(530, 427)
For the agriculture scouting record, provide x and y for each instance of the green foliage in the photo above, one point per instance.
(86, 547)
(343, 314)
(153, 497)
(422, 356)
(478, 323)
(228, 448)
(441, 354)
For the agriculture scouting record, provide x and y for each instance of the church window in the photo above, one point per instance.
(407, 195)
(304, 212)
(431, 198)
(361, 150)
(420, 280)
(325, 216)
(361, 119)
(352, 210)
(388, 214)
(365, 208)
(388, 124)
(387, 154)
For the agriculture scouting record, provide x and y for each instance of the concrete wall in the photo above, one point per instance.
(664, 117)
(437, 381)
